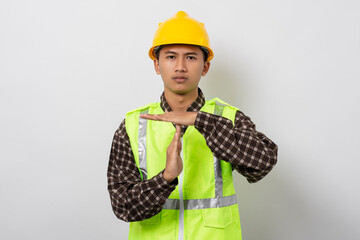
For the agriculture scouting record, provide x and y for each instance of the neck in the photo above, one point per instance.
(180, 102)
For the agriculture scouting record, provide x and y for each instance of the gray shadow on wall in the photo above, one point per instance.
(225, 84)
(275, 208)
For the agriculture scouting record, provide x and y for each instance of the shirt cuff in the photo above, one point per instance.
(205, 122)
(174, 183)
(163, 189)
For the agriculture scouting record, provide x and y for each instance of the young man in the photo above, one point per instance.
(171, 163)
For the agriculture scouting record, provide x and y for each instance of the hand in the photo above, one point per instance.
(174, 164)
(180, 118)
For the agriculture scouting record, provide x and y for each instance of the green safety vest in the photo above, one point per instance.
(203, 205)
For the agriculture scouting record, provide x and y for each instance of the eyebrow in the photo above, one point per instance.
(188, 53)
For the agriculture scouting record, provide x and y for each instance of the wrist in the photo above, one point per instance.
(168, 177)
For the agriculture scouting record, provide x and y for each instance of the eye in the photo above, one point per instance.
(191, 57)
(170, 57)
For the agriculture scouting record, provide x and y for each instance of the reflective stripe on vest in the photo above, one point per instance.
(201, 203)
(142, 144)
(219, 108)
(217, 202)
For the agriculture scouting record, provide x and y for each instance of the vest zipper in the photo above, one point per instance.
(181, 210)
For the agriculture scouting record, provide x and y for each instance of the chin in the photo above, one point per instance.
(181, 90)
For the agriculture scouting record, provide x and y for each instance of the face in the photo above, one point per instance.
(181, 67)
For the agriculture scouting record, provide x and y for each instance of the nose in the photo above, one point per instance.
(180, 65)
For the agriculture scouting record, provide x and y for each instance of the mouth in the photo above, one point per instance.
(180, 79)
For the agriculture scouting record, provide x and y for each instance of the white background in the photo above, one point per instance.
(71, 69)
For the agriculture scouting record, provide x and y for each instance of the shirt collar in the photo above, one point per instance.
(194, 107)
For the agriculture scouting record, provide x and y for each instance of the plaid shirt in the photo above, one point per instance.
(250, 152)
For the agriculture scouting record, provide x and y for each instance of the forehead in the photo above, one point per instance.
(181, 48)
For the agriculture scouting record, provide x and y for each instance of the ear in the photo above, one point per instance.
(156, 66)
(206, 68)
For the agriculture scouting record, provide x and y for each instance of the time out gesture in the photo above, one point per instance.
(179, 118)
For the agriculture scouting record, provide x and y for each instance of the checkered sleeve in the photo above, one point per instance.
(250, 152)
(131, 198)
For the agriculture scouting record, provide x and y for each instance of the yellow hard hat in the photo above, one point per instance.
(181, 29)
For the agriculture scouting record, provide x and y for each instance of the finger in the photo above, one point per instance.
(177, 133)
(156, 117)
(178, 130)
(179, 147)
(176, 138)
(147, 116)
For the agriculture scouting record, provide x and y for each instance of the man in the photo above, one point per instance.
(171, 163)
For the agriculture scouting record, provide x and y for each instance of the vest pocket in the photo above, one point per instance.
(151, 221)
(217, 217)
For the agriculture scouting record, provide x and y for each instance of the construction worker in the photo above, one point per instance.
(171, 162)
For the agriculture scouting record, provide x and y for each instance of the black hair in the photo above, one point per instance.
(203, 49)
